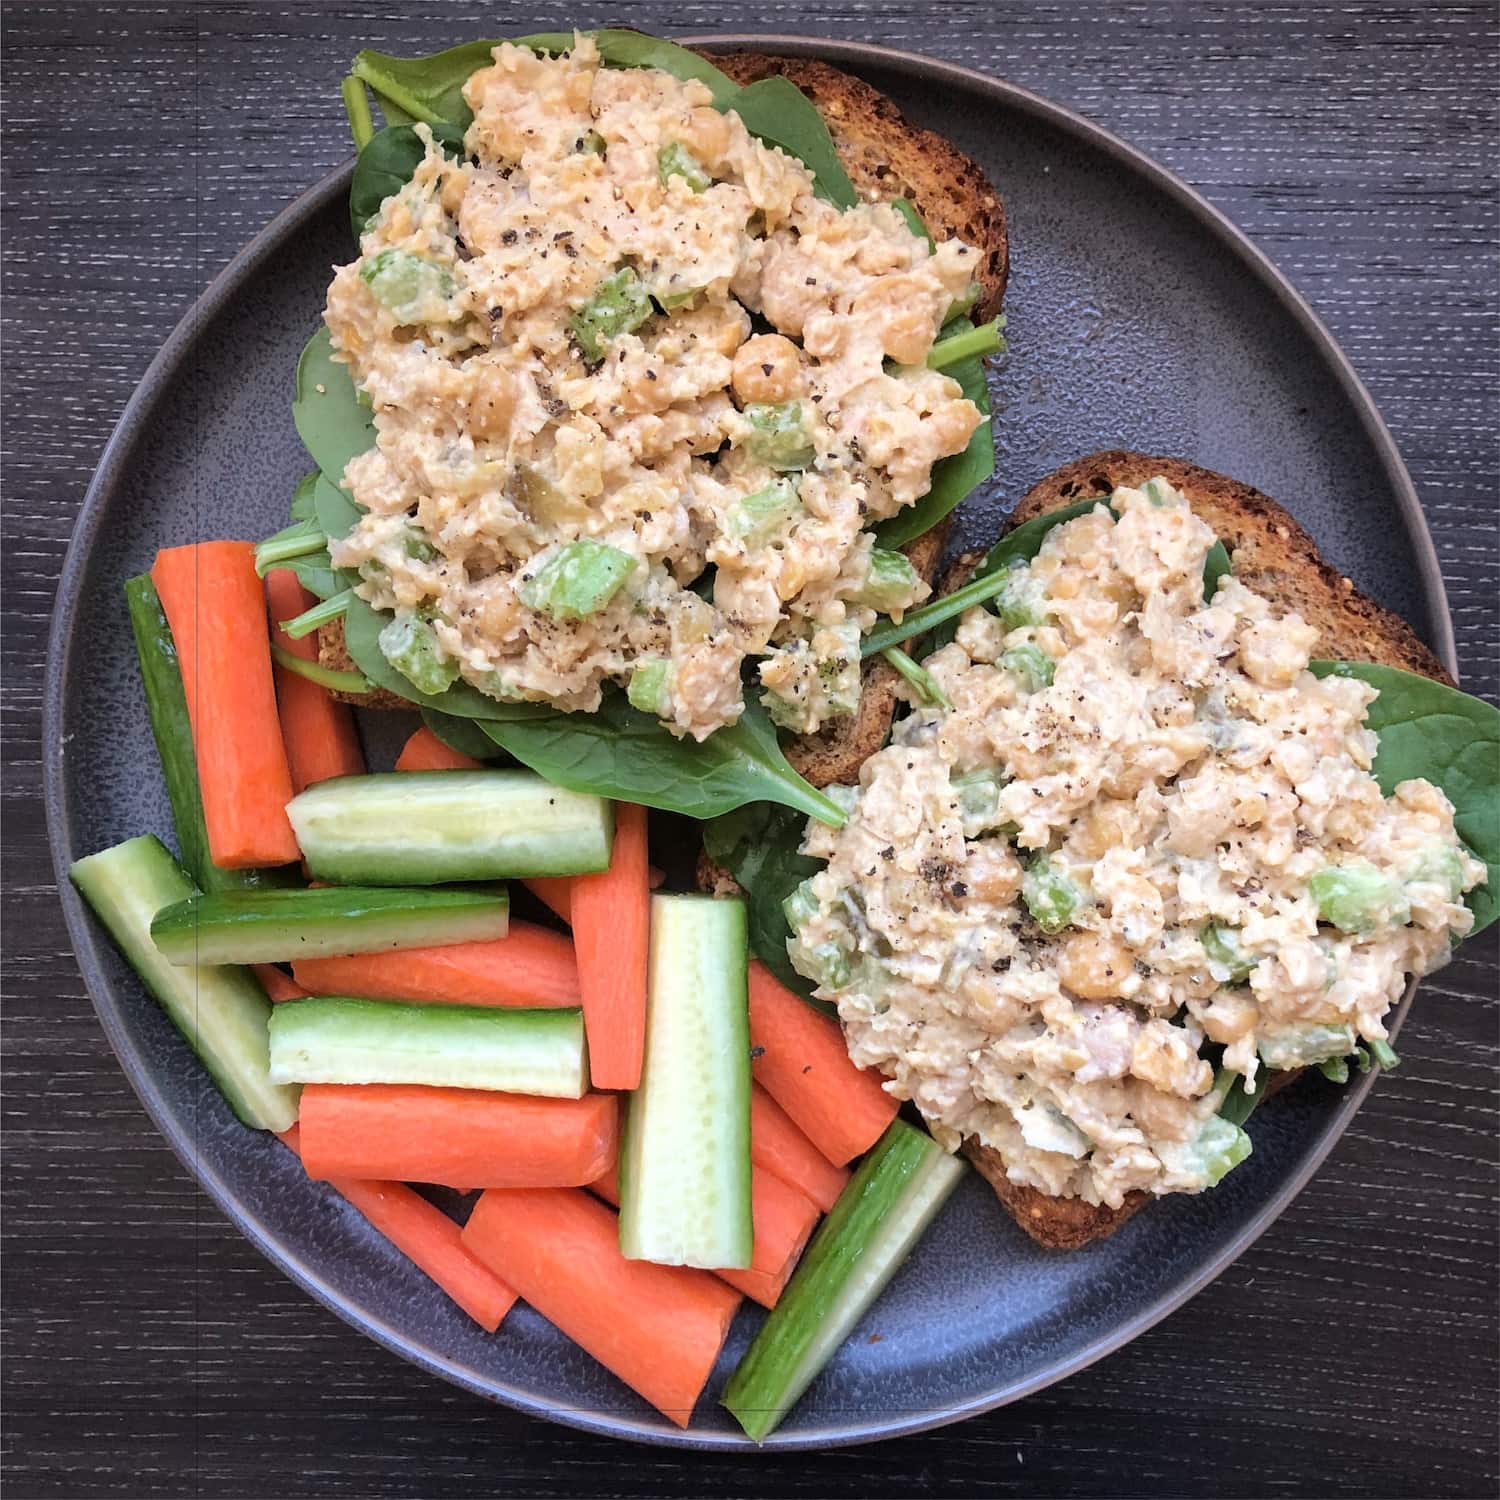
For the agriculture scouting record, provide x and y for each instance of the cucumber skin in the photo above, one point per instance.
(642, 1230)
(338, 1039)
(772, 1374)
(255, 927)
(166, 705)
(387, 829)
(122, 886)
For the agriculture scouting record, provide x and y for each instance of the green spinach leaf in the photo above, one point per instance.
(780, 114)
(953, 479)
(315, 573)
(302, 497)
(386, 165)
(463, 735)
(1215, 566)
(622, 753)
(1452, 739)
(430, 89)
(332, 422)
(759, 846)
(335, 512)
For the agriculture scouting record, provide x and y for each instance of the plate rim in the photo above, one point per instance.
(115, 458)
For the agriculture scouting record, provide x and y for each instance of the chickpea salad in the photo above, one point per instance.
(1141, 854)
(639, 397)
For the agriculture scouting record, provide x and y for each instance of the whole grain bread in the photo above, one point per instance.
(1272, 554)
(886, 156)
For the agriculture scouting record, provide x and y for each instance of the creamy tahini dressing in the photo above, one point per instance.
(499, 442)
(1050, 903)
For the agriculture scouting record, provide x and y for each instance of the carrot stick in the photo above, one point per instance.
(461, 1138)
(217, 610)
(777, 1145)
(799, 1058)
(278, 984)
(424, 751)
(528, 966)
(783, 1217)
(554, 892)
(658, 1328)
(611, 919)
(423, 1233)
(319, 734)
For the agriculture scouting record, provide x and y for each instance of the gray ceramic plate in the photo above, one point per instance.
(1138, 318)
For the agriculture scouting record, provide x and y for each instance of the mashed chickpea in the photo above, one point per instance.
(576, 420)
(1145, 841)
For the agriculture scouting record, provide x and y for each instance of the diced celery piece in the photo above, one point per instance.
(577, 580)
(620, 304)
(800, 906)
(779, 436)
(1301, 1046)
(1157, 491)
(411, 646)
(592, 143)
(414, 289)
(648, 687)
(1222, 1145)
(1051, 898)
(826, 964)
(1021, 599)
(1029, 665)
(1356, 897)
(1440, 865)
(890, 583)
(838, 672)
(1227, 959)
(418, 548)
(757, 517)
(675, 160)
(978, 801)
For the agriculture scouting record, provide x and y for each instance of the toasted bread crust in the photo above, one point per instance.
(886, 156)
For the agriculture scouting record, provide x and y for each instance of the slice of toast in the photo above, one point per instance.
(1273, 555)
(886, 156)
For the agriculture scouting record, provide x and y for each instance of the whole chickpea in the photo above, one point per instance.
(900, 310)
(708, 134)
(1093, 965)
(768, 368)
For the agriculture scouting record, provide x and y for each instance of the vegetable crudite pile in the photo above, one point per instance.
(637, 417)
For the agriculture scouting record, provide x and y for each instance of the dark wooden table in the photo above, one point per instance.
(149, 1351)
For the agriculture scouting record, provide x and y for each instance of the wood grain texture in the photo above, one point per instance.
(151, 1352)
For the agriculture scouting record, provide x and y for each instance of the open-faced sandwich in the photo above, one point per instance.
(657, 405)
(638, 413)
(1181, 823)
